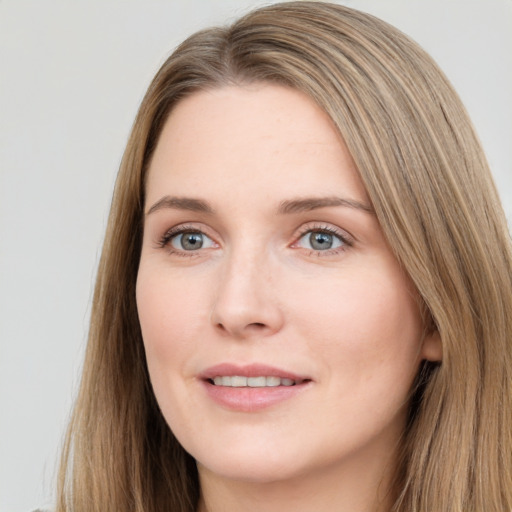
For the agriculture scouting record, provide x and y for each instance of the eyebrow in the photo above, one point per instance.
(181, 203)
(314, 203)
(285, 207)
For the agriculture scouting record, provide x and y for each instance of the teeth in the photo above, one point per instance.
(238, 381)
(256, 382)
(273, 381)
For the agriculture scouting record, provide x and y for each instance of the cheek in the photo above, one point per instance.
(169, 326)
(367, 323)
(170, 312)
(171, 318)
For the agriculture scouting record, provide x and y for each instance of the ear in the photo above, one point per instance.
(432, 348)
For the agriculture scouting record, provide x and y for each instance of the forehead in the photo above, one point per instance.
(245, 138)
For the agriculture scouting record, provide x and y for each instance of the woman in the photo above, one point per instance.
(303, 294)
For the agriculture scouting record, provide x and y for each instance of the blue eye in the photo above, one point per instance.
(191, 241)
(320, 240)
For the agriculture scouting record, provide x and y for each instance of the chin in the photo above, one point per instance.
(253, 461)
(260, 471)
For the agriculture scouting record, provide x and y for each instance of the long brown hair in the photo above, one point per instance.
(433, 194)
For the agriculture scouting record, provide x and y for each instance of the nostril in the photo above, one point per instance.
(256, 327)
(253, 328)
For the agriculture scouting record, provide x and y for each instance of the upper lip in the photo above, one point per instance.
(250, 370)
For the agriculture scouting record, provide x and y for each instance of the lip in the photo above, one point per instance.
(251, 370)
(247, 399)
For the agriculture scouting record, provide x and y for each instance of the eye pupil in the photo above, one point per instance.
(191, 241)
(320, 241)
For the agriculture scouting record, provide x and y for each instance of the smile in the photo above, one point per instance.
(239, 381)
(251, 388)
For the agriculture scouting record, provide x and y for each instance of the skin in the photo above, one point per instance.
(256, 291)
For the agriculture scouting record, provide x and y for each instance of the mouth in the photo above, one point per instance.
(240, 381)
(251, 376)
(253, 387)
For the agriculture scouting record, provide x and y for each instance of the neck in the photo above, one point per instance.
(354, 488)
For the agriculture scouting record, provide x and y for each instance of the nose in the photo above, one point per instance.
(246, 304)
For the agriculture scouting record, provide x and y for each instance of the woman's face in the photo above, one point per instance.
(282, 336)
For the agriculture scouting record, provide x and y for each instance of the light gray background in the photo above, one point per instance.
(71, 77)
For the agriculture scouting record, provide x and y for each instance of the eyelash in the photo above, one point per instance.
(165, 240)
(345, 239)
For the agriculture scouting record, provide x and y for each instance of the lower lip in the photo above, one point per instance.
(247, 399)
